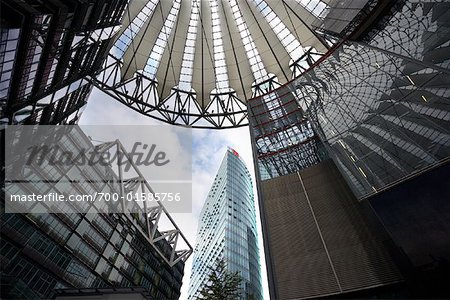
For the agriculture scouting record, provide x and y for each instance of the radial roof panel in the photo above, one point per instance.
(183, 61)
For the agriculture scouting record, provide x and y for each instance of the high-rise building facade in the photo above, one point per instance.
(48, 51)
(349, 157)
(227, 230)
(50, 248)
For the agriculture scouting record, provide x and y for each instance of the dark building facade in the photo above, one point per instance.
(52, 248)
(48, 50)
(321, 241)
(352, 158)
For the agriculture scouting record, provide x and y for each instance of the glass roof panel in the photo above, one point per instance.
(186, 61)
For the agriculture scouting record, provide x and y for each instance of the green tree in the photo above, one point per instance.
(221, 285)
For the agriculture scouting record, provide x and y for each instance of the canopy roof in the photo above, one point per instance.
(194, 53)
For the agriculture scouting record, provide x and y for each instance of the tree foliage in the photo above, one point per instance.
(221, 285)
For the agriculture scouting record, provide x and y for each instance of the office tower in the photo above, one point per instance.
(67, 248)
(227, 230)
(48, 52)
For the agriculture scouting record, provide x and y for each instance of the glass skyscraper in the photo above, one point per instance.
(227, 229)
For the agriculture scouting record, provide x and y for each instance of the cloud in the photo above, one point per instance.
(208, 150)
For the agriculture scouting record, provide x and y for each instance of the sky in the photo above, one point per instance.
(208, 149)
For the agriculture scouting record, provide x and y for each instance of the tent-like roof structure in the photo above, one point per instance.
(197, 62)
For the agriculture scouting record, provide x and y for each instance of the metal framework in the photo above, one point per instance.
(47, 52)
(179, 108)
(284, 139)
(197, 63)
(132, 184)
(379, 105)
(118, 176)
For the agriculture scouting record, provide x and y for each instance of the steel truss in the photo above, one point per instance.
(147, 224)
(225, 110)
(140, 93)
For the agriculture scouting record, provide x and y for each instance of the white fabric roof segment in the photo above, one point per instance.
(273, 53)
(286, 38)
(299, 21)
(203, 79)
(220, 65)
(256, 63)
(135, 16)
(208, 46)
(162, 40)
(187, 67)
(316, 7)
(169, 72)
(239, 70)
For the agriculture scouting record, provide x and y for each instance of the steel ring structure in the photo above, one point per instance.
(197, 62)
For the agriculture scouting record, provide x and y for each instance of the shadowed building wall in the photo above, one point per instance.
(320, 238)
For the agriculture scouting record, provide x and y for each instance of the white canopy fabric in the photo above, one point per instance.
(250, 33)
